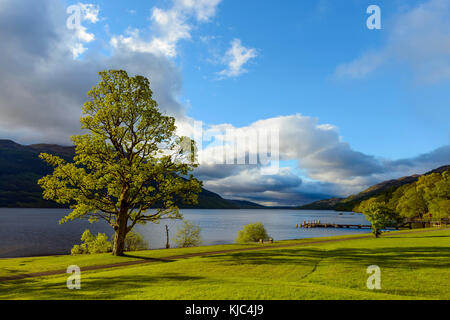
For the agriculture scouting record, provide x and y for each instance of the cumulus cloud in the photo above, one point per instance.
(42, 88)
(418, 38)
(80, 13)
(329, 165)
(235, 58)
(169, 27)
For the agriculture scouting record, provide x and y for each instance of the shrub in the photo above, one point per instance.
(252, 233)
(98, 244)
(188, 235)
(79, 249)
(135, 241)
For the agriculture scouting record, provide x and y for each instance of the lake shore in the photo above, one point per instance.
(36, 232)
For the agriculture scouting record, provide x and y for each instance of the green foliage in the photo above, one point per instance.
(412, 203)
(92, 244)
(134, 241)
(129, 161)
(427, 198)
(252, 233)
(380, 216)
(438, 197)
(188, 235)
(367, 203)
(79, 249)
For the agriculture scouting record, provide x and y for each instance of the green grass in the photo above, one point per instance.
(413, 266)
(12, 266)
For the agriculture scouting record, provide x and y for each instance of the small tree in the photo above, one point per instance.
(134, 241)
(380, 216)
(92, 244)
(252, 233)
(129, 161)
(188, 235)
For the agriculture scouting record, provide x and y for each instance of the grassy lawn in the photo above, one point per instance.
(413, 266)
(12, 266)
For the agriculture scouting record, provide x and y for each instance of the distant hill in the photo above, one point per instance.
(243, 204)
(326, 204)
(347, 204)
(21, 168)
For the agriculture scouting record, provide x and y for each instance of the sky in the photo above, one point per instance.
(353, 106)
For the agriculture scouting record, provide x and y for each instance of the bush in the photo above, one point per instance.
(188, 235)
(98, 244)
(79, 249)
(135, 241)
(252, 233)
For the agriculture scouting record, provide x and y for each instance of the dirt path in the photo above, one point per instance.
(199, 254)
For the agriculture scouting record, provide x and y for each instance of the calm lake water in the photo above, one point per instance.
(33, 232)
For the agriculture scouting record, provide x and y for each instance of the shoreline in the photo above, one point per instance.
(276, 243)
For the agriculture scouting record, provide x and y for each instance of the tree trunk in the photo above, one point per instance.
(121, 233)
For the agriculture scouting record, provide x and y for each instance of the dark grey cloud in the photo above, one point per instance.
(42, 88)
(422, 163)
(291, 198)
(252, 181)
(218, 171)
(342, 161)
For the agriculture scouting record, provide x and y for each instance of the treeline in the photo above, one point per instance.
(428, 199)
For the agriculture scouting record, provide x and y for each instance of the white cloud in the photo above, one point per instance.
(418, 38)
(329, 164)
(90, 13)
(78, 49)
(362, 66)
(235, 59)
(169, 27)
(317, 148)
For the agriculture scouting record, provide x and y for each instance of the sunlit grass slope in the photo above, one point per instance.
(413, 266)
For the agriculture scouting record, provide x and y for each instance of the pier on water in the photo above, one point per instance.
(407, 223)
(319, 224)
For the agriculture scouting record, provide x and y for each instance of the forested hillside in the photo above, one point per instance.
(392, 191)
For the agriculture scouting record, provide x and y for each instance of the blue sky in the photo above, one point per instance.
(299, 46)
(354, 106)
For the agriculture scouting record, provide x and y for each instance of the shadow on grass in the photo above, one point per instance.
(91, 288)
(404, 257)
(415, 237)
(11, 272)
(146, 258)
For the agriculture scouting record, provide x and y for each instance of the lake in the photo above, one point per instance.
(35, 232)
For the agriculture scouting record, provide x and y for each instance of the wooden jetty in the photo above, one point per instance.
(318, 224)
(406, 223)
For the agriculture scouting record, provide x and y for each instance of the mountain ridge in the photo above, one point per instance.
(21, 168)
